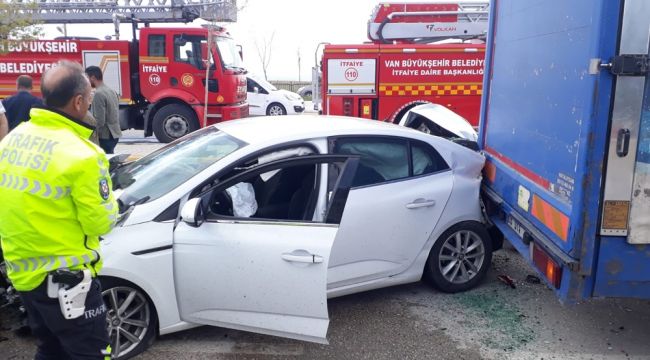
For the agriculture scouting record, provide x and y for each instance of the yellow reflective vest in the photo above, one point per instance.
(55, 198)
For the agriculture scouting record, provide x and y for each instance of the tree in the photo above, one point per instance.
(17, 22)
(264, 52)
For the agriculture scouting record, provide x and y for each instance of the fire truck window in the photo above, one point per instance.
(156, 45)
(381, 159)
(187, 49)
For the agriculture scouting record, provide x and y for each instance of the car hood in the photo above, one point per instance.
(289, 93)
(443, 118)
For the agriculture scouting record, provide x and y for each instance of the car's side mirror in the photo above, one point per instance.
(192, 212)
(256, 90)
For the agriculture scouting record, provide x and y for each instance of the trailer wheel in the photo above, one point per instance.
(174, 121)
(460, 258)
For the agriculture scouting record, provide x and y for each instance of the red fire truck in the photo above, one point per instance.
(401, 68)
(160, 78)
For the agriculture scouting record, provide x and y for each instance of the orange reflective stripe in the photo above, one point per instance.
(551, 217)
(430, 89)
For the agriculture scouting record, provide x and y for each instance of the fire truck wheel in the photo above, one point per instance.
(276, 109)
(460, 258)
(174, 121)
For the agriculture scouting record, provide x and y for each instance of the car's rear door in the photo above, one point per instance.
(399, 192)
(258, 274)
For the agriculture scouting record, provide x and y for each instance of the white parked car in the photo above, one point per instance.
(266, 99)
(253, 224)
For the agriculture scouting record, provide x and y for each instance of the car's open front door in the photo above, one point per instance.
(261, 274)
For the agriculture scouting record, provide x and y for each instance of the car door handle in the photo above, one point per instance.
(307, 258)
(420, 203)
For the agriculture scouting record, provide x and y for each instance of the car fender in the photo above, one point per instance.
(147, 263)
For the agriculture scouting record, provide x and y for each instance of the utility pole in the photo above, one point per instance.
(299, 68)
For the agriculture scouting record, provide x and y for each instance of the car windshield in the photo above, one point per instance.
(265, 84)
(160, 172)
(230, 56)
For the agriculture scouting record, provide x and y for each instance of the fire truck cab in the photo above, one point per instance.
(172, 70)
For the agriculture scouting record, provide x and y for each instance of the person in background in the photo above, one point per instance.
(17, 106)
(104, 108)
(4, 127)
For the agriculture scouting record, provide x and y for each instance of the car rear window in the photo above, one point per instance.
(384, 159)
(426, 160)
(381, 159)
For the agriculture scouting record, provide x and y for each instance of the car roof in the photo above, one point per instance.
(273, 129)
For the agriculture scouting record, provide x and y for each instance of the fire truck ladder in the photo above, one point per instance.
(145, 11)
(428, 22)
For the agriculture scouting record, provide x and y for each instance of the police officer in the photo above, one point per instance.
(55, 203)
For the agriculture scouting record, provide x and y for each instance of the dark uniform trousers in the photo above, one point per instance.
(85, 337)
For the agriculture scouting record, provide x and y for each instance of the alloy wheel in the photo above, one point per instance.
(461, 256)
(128, 318)
(276, 110)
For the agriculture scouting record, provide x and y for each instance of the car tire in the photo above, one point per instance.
(460, 258)
(138, 319)
(174, 121)
(276, 109)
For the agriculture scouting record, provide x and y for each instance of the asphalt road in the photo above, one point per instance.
(414, 321)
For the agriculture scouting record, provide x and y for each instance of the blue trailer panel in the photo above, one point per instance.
(561, 142)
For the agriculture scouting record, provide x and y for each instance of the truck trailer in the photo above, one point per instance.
(565, 127)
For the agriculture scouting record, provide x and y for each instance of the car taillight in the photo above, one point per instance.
(543, 261)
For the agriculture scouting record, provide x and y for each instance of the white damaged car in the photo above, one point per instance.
(253, 224)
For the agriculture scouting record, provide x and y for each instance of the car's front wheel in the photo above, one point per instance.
(131, 318)
(460, 258)
(276, 109)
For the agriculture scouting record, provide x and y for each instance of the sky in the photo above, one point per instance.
(297, 26)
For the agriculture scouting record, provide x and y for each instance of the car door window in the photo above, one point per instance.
(277, 153)
(288, 193)
(252, 84)
(426, 160)
(286, 190)
(384, 159)
(381, 159)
